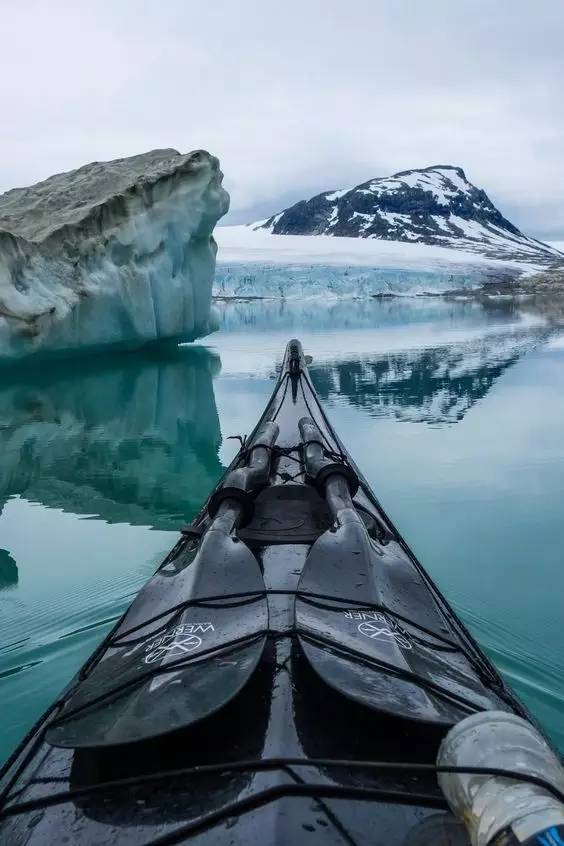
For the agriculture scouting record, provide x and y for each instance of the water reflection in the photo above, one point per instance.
(419, 360)
(338, 314)
(134, 438)
(131, 438)
(433, 385)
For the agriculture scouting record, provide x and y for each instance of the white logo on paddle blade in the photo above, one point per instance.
(376, 630)
(175, 648)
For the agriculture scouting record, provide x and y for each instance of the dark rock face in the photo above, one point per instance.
(434, 205)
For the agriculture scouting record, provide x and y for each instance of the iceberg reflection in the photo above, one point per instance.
(8, 570)
(129, 438)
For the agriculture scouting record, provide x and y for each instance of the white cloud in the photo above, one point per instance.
(295, 97)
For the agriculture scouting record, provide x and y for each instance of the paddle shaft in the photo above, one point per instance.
(339, 500)
(336, 484)
(242, 483)
(255, 473)
(227, 517)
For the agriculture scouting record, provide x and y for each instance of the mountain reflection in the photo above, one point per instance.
(130, 438)
(425, 359)
(435, 385)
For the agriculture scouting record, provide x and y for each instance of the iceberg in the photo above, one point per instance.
(116, 253)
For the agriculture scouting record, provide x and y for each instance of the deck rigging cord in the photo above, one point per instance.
(269, 764)
(249, 596)
(222, 649)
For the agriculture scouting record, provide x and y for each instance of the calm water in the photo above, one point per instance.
(455, 412)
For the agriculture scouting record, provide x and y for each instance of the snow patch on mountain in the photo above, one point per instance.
(435, 205)
(114, 253)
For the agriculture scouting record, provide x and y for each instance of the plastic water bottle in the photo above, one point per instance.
(503, 811)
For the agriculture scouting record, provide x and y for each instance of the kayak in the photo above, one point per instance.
(287, 675)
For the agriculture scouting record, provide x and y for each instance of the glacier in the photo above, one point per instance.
(256, 263)
(117, 253)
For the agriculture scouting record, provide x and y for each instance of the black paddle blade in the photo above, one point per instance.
(415, 670)
(164, 669)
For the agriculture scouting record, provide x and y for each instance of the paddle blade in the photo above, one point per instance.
(170, 672)
(369, 654)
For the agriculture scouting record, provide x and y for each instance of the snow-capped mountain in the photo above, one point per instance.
(435, 205)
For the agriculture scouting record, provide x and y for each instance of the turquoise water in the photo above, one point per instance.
(454, 411)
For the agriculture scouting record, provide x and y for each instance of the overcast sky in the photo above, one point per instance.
(294, 97)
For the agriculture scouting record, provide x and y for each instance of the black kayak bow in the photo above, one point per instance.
(169, 667)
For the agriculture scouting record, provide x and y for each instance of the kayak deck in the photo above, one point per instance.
(289, 665)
